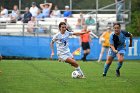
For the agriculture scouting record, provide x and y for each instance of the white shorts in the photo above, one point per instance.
(63, 57)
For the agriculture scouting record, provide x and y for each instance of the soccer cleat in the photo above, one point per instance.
(118, 73)
(98, 61)
(81, 77)
(104, 75)
(83, 59)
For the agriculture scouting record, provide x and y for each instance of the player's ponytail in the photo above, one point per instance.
(63, 23)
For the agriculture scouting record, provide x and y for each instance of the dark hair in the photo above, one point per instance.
(33, 3)
(116, 24)
(61, 23)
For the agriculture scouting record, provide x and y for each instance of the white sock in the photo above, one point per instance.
(79, 70)
(100, 57)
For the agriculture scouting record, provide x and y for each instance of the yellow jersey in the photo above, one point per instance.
(106, 36)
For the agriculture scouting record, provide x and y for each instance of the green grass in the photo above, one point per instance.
(45, 76)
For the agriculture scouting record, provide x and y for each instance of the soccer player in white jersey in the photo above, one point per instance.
(63, 51)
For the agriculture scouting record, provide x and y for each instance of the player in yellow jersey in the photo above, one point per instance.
(104, 39)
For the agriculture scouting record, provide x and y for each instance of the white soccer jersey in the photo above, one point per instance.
(62, 42)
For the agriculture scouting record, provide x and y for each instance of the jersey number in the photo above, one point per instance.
(63, 41)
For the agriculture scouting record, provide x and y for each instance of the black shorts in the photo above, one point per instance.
(85, 45)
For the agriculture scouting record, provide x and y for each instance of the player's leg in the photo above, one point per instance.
(84, 56)
(101, 54)
(68, 58)
(107, 64)
(109, 60)
(120, 63)
(86, 48)
(74, 64)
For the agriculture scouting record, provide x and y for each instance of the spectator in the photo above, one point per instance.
(104, 40)
(79, 24)
(67, 12)
(90, 21)
(82, 18)
(67, 24)
(119, 8)
(31, 25)
(4, 12)
(27, 15)
(15, 14)
(34, 9)
(40, 15)
(46, 8)
(56, 12)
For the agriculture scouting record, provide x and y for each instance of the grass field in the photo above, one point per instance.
(45, 76)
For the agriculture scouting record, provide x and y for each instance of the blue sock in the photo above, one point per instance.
(119, 65)
(106, 67)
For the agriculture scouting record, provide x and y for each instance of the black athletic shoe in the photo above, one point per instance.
(83, 59)
(118, 73)
(104, 75)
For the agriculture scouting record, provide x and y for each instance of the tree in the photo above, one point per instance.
(134, 26)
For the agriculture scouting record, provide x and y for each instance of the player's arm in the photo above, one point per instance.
(42, 6)
(52, 44)
(91, 33)
(80, 33)
(52, 47)
(113, 48)
(50, 5)
(127, 34)
(130, 39)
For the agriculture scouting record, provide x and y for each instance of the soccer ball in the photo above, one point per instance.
(102, 40)
(75, 74)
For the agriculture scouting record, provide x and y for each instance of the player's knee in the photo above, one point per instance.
(88, 52)
(108, 62)
(120, 60)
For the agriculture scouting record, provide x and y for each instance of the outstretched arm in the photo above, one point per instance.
(93, 34)
(80, 33)
(130, 44)
(52, 48)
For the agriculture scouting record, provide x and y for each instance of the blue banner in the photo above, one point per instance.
(39, 47)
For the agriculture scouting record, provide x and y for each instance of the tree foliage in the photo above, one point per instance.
(134, 26)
